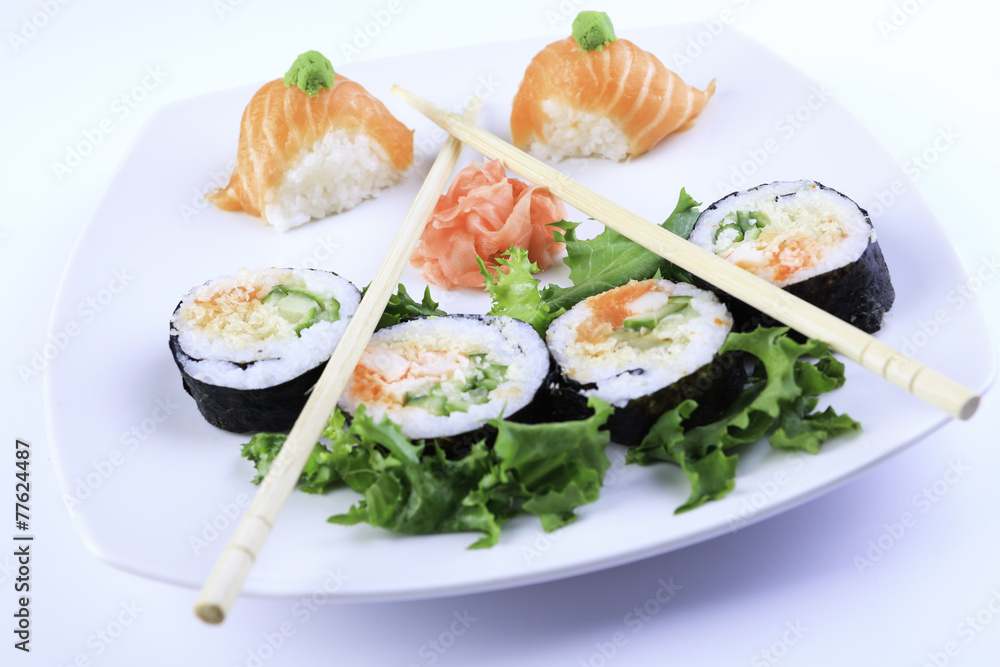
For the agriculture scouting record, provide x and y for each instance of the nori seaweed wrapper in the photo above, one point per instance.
(714, 386)
(859, 293)
(269, 409)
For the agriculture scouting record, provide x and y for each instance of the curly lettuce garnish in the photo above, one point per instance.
(515, 291)
(610, 259)
(402, 307)
(544, 469)
(779, 401)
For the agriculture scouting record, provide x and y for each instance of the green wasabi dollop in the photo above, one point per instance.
(593, 30)
(311, 72)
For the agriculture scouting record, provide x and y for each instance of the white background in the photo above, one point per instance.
(912, 72)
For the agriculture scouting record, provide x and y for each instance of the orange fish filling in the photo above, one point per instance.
(609, 310)
(410, 367)
(786, 259)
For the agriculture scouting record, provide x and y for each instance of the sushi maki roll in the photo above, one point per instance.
(809, 239)
(251, 346)
(592, 94)
(644, 348)
(313, 144)
(442, 378)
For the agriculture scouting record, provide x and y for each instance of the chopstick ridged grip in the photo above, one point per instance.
(923, 382)
(226, 579)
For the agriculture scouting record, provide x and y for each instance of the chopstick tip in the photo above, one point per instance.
(969, 408)
(210, 613)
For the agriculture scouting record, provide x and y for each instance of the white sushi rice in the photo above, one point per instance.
(336, 174)
(622, 372)
(574, 133)
(802, 214)
(258, 348)
(504, 340)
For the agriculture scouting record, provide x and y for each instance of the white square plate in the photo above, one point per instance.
(157, 491)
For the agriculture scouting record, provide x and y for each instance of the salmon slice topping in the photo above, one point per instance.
(621, 82)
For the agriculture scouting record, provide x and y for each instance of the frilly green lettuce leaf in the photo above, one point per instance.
(402, 307)
(261, 451)
(779, 400)
(514, 291)
(410, 492)
(544, 469)
(610, 259)
(319, 475)
(555, 467)
(681, 220)
(800, 428)
(712, 477)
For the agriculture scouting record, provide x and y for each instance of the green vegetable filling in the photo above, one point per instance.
(638, 331)
(674, 305)
(747, 225)
(443, 399)
(300, 307)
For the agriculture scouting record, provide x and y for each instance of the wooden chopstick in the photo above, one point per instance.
(923, 382)
(226, 579)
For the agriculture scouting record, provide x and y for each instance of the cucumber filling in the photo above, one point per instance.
(300, 307)
(646, 330)
(739, 226)
(675, 304)
(443, 398)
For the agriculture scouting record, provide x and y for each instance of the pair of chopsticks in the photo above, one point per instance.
(226, 579)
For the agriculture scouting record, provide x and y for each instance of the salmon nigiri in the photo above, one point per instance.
(313, 144)
(592, 94)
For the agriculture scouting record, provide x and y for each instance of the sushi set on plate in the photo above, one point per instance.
(156, 489)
